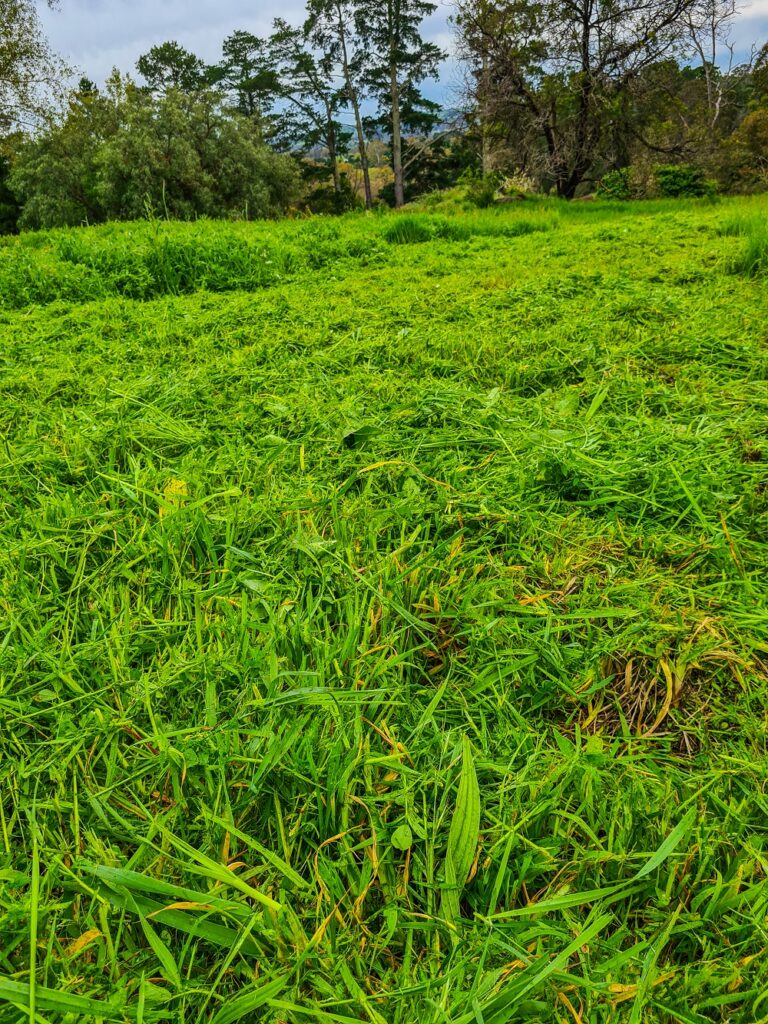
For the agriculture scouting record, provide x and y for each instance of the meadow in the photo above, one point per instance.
(383, 618)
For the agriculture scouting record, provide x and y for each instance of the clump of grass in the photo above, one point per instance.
(149, 261)
(737, 226)
(752, 261)
(411, 229)
(408, 229)
(752, 226)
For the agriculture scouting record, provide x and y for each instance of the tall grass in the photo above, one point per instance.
(408, 229)
(152, 260)
(752, 261)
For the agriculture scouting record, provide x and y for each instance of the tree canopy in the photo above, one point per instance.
(171, 66)
(31, 75)
(124, 152)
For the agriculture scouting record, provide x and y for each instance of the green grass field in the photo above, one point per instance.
(383, 619)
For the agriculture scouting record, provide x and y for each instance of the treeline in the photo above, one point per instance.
(629, 97)
(584, 93)
(297, 117)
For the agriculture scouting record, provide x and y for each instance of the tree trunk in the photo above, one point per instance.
(355, 101)
(330, 139)
(485, 142)
(361, 147)
(397, 142)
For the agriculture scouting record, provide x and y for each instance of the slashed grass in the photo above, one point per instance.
(310, 539)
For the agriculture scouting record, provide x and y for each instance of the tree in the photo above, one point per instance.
(120, 152)
(314, 100)
(9, 204)
(748, 150)
(330, 27)
(55, 173)
(248, 72)
(30, 74)
(171, 66)
(438, 162)
(563, 67)
(399, 61)
(709, 24)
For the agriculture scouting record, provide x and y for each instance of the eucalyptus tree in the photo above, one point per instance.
(332, 27)
(399, 60)
(313, 99)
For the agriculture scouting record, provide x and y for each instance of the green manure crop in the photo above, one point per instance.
(383, 621)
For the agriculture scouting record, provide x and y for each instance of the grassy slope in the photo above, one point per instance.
(279, 566)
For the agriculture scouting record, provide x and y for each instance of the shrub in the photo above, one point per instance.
(517, 184)
(185, 156)
(617, 184)
(667, 181)
(747, 152)
(678, 181)
(479, 189)
(324, 199)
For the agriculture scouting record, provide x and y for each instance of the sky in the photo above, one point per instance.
(98, 35)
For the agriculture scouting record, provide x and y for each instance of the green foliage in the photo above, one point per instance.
(479, 189)
(668, 181)
(325, 199)
(398, 60)
(441, 164)
(312, 100)
(9, 206)
(171, 66)
(747, 151)
(618, 184)
(31, 75)
(384, 639)
(248, 72)
(180, 156)
(683, 181)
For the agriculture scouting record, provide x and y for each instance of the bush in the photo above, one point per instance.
(184, 157)
(324, 199)
(666, 181)
(9, 207)
(517, 184)
(618, 184)
(479, 189)
(678, 181)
